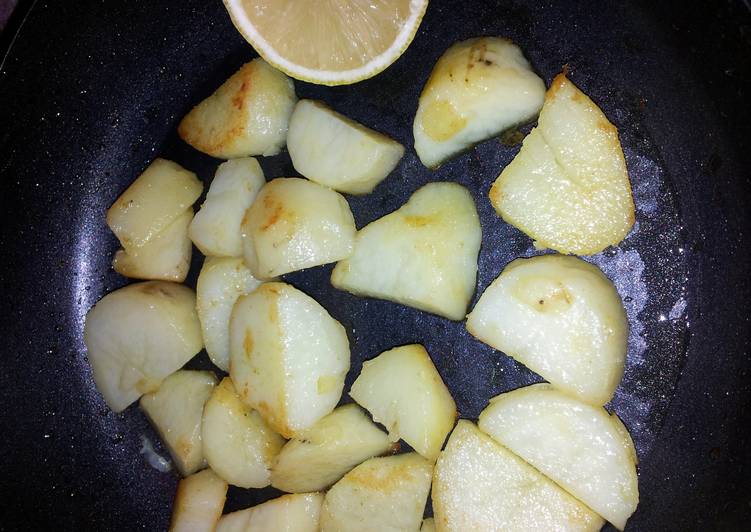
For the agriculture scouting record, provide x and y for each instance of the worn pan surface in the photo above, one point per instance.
(90, 93)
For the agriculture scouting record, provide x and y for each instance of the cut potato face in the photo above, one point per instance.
(166, 257)
(137, 336)
(237, 443)
(423, 255)
(428, 525)
(160, 195)
(289, 357)
(381, 495)
(568, 188)
(403, 391)
(333, 150)
(296, 224)
(562, 318)
(322, 454)
(288, 513)
(247, 115)
(478, 89)
(198, 503)
(176, 410)
(582, 448)
(480, 485)
(215, 229)
(222, 280)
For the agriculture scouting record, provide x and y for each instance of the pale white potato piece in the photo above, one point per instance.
(322, 454)
(161, 194)
(235, 521)
(289, 513)
(423, 255)
(296, 224)
(478, 88)
(568, 187)
(215, 229)
(403, 391)
(198, 502)
(480, 485)
(562, 318)
(176, 410)
(582, 448)
(221, 281)
(137, 336)
(330, 149)
(237, 443)
(428, 525)
(288, 357)
(165, 257)
(247, 115)
(385, 494)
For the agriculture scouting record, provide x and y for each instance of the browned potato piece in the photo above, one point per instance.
(247, 115)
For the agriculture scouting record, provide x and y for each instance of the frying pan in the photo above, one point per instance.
(91, 92)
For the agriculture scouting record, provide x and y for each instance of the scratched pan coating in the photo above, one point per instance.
(114, 96)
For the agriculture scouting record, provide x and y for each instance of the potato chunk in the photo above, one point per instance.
(288, 357)
(322, 454)
(221, 281)
(237, 443)
(478, 88)
(165, 257)
(582, 448)
(288, 513)
(403, 391)
(198, 503)
(176, 410)
(215, 229)
(161, 194)
(247, 115)
(333, 150)
(423, 255)
(137, 336)
(568, 187)
(480, 485)
(562, 318)
(296, 224)
(380, 495)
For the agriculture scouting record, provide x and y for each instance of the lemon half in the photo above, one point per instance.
(329, 42)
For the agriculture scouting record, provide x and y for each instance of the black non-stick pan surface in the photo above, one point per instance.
(91, 92)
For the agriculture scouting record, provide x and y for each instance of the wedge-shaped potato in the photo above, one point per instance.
(176, 410)
(478, 88)
(137, 336)
(423, 255)
(165, 257)
(381, 495)
(215, 229)
(404, 392)
(247, 115)
(480, 485)
(198, 503)
(582, 448)
(333, 150)
(562, 318)
(238, 445)
(288, 357)
(428, 525)
(295, 224)
(321, 455)
(160, 195)
(288, 513)
(221, 281)
(568, 187)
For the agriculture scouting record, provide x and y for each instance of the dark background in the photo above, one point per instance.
(91, 92)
